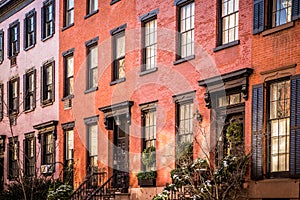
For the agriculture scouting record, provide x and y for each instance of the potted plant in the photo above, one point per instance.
(148, 178)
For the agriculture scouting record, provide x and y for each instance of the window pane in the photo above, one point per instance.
(93, 140)
(120, 46)
(70, 66)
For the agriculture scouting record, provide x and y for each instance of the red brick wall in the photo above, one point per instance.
(161, 85)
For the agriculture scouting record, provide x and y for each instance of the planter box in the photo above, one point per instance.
(147, 182)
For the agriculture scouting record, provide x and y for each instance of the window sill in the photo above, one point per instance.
(13, 56)
(29, 110)
(28, 48)
(228, 45)
(114, 1)
(66, 27)
(278, 28)
(117, 81)
(91, 14)
(71, 96)
(47, 103)
(182, 60)
(149, 71)
(93, 89)
(48, 37)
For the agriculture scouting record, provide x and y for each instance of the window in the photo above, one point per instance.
(119, 56)
(186, 30)
(149, 48)
(185, 122)
(13, 157)
(14, 39)
(69, 12)
(69, 75)
(13, 96)
(48, 149)
(92, 6)
(29, 90)
(47, 19)
(277, 13)
(149, 129)
(229, 16)
(47, 83)
(282, 128)
(118, 72)
(30, 29)
(69, 155)
(92, 66)
(279, 123)
(92, 147)
(29, 154)
(1, 101)
(1, 46)
(281, 12)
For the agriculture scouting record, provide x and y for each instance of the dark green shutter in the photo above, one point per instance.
(258, 16)
(9, 43)
(257, 133)
(220, 29)
(34, 92)
(43, 22)
(25, 89)
(18, 37)
(295, 127)
(295, 9)
(25, 33)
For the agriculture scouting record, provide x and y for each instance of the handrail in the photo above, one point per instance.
(92, 182)
(104, 189)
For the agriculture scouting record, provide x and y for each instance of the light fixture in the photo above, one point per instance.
(198, 116)
(117, 120)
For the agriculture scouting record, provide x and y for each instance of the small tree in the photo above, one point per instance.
(203, 179)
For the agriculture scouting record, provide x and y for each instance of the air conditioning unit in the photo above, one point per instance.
(46, 169)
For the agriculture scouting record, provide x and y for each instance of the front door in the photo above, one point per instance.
(223, 146)
(121, 153)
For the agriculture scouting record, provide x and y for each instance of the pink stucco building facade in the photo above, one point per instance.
(29, 76)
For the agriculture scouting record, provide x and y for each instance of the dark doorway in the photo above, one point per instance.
(121, 153)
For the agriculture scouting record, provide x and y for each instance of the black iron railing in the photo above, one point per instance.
(91, 183)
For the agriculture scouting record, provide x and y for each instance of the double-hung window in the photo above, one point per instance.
(149, 23)
(186, 30)
(30, 29)
(69, 156)
(13, 96)
(229, 21)
(1, 46)
(13, 158)
(185, 122)
(48, 17)
(118, 71)
(92, 64)
(92, 6)
(69, 12)
(1, 102)
(14, 39)
(149, 129)
(29, 154)
(29, 90)
(275, 149)
(47, 83)
(279, 125)
(69, 75)
(92, 143)
(48, 149)
(281, 12)
(269, 14)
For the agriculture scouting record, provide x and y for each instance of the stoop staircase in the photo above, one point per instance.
(94, 187)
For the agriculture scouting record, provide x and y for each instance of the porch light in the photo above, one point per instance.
(198, 116)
